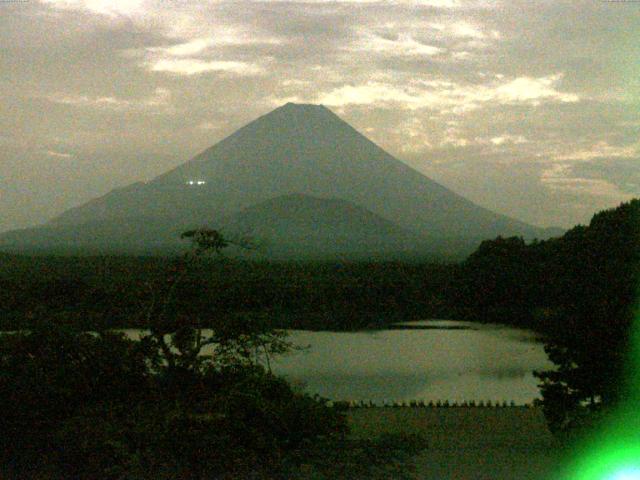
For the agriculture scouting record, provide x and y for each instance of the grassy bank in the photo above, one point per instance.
(471, 443)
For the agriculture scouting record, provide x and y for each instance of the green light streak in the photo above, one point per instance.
(612, 452)
(629, 474)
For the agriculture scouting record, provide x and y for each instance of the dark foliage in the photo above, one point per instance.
(86, 405)
(115, 291)
(590, 324)
(80, 405)
(578, 290)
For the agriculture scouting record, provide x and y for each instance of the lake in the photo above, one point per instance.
(425, 360)
(429, 360)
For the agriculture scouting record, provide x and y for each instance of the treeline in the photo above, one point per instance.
(581, 291)
(590, 272)
(111, 291)
(94, 404)
(578, 290)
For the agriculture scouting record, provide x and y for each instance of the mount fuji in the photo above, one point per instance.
(297, 177)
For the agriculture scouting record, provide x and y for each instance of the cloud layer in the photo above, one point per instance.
(530, 109)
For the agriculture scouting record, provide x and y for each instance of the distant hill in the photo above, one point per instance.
(303, 226)
(295, 149)
(290, 226)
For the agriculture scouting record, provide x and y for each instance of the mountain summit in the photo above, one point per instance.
(299, 149)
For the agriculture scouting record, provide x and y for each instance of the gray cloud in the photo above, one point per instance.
(526, 108)
(621, 172)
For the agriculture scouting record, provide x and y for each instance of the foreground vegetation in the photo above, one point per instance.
(580, 291)
(94, 404)
(469, 443)
(112, 291)
(85, 406)
(80, 400)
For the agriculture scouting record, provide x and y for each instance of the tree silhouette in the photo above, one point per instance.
(177, 340)
(597, 273)
(85, 404)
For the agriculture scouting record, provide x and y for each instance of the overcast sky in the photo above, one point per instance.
(527, 107)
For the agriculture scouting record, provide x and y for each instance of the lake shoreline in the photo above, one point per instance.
(449, 362)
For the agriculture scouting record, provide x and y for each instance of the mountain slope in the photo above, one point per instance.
(290, 226)
(310, 227)
(302, 149)
(127, 234)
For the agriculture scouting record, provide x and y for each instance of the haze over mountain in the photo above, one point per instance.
(302, 150)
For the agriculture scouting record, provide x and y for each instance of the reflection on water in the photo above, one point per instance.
(470, 362)
(447, 360)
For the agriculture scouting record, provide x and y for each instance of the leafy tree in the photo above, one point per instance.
(494, 283)
(579, 291)
(91, 405)
(177, 340)
(50, 374)
(597, 273)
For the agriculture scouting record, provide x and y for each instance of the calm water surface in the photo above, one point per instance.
(429, 360)
(453, 361)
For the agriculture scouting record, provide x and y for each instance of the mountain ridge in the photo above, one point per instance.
(300, 149)
(299, 225)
